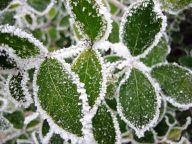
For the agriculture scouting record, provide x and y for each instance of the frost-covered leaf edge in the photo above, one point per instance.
(86, 130)
(146, 71)
(168, 98)
(103, 11)
(158, 36)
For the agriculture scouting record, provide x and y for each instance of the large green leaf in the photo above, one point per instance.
(158, 54)
(24, 45)
(140, 26)
(4, 4)
(39, 5)
(103, 126)
(58, 96)
(89, 68)
(175, 83)
(138, 101)
(88, 19)
(7, 17)
(175, 5)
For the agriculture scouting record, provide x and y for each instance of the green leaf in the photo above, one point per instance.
(24, 45)
(114, 35)
(58, 96)
(45, 128)
(162, 128)
(137, 101)
(175, 5)
(4, 4)
(15, 88)
(88, 19)
(7, 17)
(140, 26)
(16, 118)
(56, 139)
(175, 83)
(88, 68)
(103, 127)
(113, 58)
(39, 5)
(148, 138)
(175, 134)
(158, 54)
(186, 61)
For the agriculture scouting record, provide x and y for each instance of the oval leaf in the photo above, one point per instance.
(23, 44)
(176, 83)
(158, 54)
(91, 17)
(89, 70)
(141, 26)
(57, 95)
(104, 129)
(138, 104)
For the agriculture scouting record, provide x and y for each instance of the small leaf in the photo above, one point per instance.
(45, 128)
(114, 35)
(186, 61)
(175, 83)
(88, 68)
(148, 138)
(23, 44)
(162, 128)
(39, 5)
(103, 126)
(158, 54)
(140, 25)
(88, 17)
(56, 139)
(138, 102)
(7, 17)
(15, 88)
(175, 5)
(57, 95)
(16, 118)
(4, 4)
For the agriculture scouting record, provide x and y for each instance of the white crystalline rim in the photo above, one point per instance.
(159, 13)
(116, 125)
(30, 8)
(86, 120)
(5, 102)
(145, 70)
(169, 98)
(102, 11)
(28, 96)
(22, 34)
(71, 51)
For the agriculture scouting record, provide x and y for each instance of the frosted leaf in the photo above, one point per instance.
(91, 17)
(175, 6)
(6, 62)
(89, 69)
(4, 4)
(158, 54)
(138, 101)
(23, 44)
(60, 98)
(18, 90)
(105, 126)
(175, 82)
(45, 128)
(142, 26)
(4, 124)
